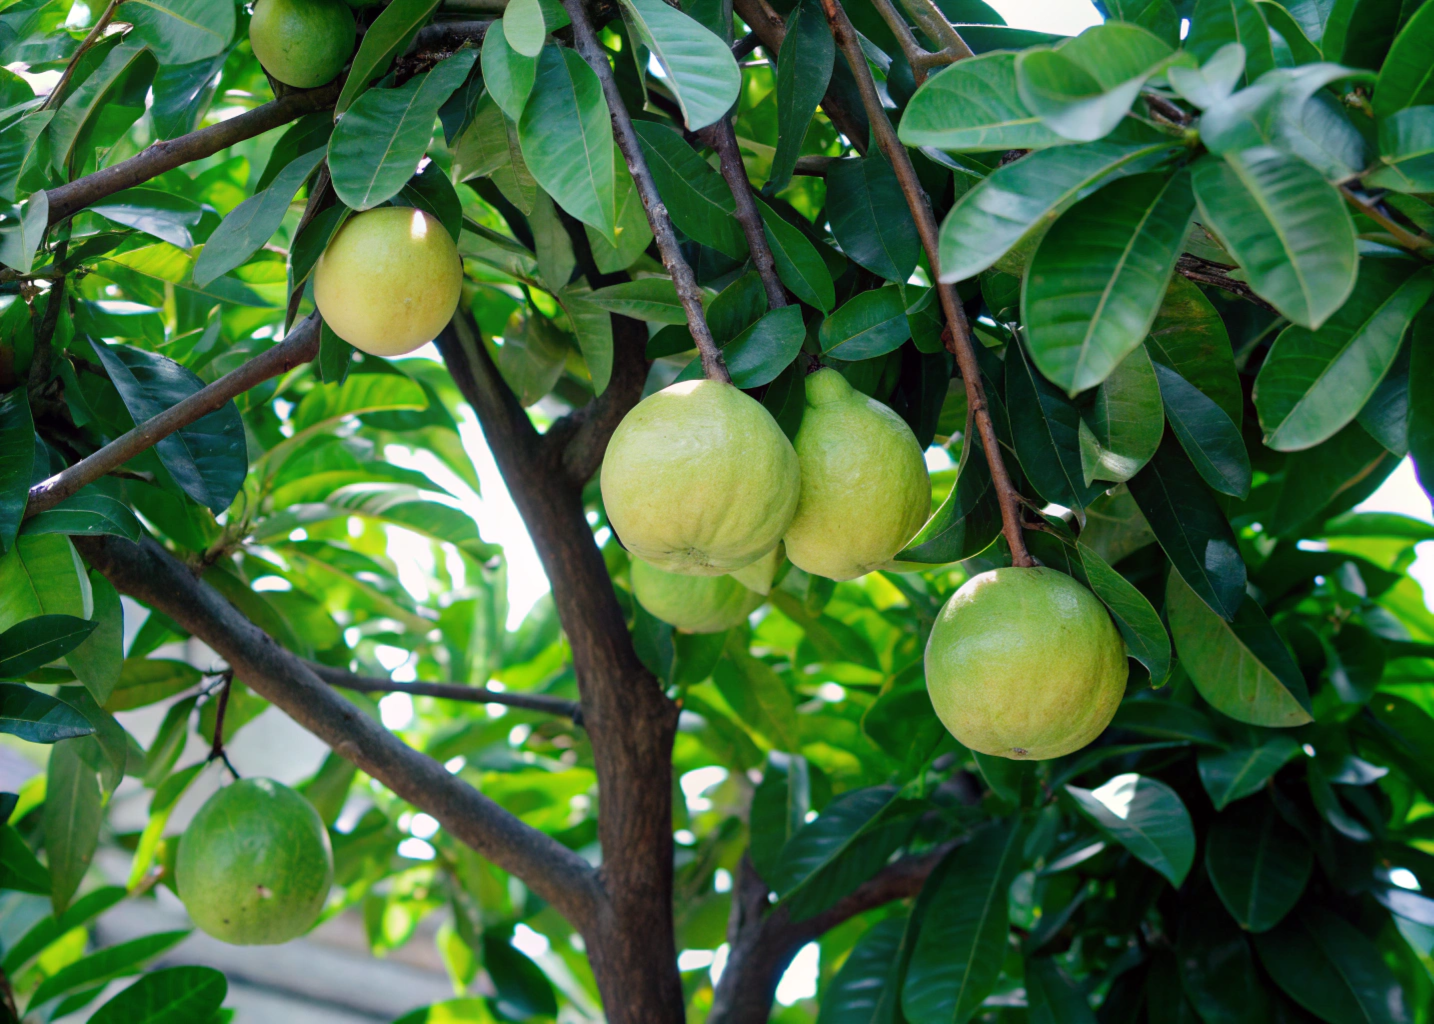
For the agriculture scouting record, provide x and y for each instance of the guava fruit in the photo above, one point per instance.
(303, 43)
(697, 604)
(865, 489)
(1025, 664)
(699, 479)
(759, 575)
(389, 280)
(254, 866)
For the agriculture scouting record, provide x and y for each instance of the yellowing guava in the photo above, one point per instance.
(303, 43)
(699, 479)
(697, 604)
(389, 281)
(254, 866)
(865, 489)
(1025, 664)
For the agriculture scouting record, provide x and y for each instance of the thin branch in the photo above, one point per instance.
(745, 45)
(1205, 271)
(57, 94)
(216, 749)
(814, 166)
(723, 138)
(446, 36)
(1416, 244)
(957, 333)
(916, 54)
(450, 691)
(43, 359)
(172, 153)
(933, 22)
(683, 279)
(768, 27)
(301, 346)
(149, 573)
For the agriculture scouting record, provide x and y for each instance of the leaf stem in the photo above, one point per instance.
(688, 292)
(723, 138)
(957, 334)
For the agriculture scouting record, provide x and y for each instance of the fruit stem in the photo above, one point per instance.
(957, 334)
(688, 293)
(723, 138)
(216, 751)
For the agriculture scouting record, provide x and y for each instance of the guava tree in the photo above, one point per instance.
(1160, 291)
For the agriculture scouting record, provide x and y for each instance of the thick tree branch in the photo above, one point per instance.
(345, 680)
(149, 573)
(584, 434)
(723, 138)
(167, 155)
(301, 346)
(446, 36)
(958, 332)
(683, 279)
(1217, 275)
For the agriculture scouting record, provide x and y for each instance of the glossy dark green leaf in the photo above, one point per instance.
(1240, 666)
(1024, 197)
(89, 513)
(32, 643)
(97, 660)
(378, 143)
(871, 324)
(1328, 478)
(870, 219)
(1286, 225)
(966, 522)
(866, 989)
(1215, 23)
(1189, 337)
(125, 70)
(172, 995)
(1421, 400)
(208, 459)
(821, 842)
(72, 816)
(696, 197)
(973, 107)
(1045, 425)
(1258, 864)
(1230, 775)
(765, 349)
(22, 872)
(507, 74)
(182, 92)
(1165, 719)
(962, 943)
(1328, 966)
(1217, 966)
(105, 964)
(1146, 817)
(182, 31)
(779, 810)
(1405, 79)
(385, 39)
(1122, 428)
(164, 215)
(37, 717)
(1095, 283)
(17, 457)
(804, 68)
(1406, 151)
(1213, 443)
(799, 265)
(523, 990)
(22, 148)
(1145, 638)
(431, 191)
(647, 298)
(1190, 527)
(786, 399)
(1052, 996)
(699, 67)
(1314, 382)
(253, 222)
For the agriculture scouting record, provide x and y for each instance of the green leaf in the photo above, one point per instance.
(836, 851)
(1230, 775)
(36, 642)
(21, 150)
(1052, 996)
(700, 70)
(871, 324)
(1214, 80)
(1145, 638)
(74, 809)
(786, 399)
(1241, 667)
(254, 221)
(1045, 426)
(378, 143)
(962, 941)
(97, 661)
(1122, 429)
(1406, 78)
(37, 717)
(1146, 817)
(697, 199)
(1212, 442)
(106, 964)
(22, 872)
(208, 459)
(1406, 152)
(759, 696)
(1421, 399)
(593, 327)
(50, 928)
(523, 990)
(507, 74)
(182, 93)
(1095, 283)
(1189, 337)
(757, 355)
(870, 219)
(1167, 720)
(1216, 23)
(1327, 966)
(866, 988)
(146, 681)
(973, 106)
(17, 458)
(1217, 969)
(567, 140)
(1082, 88)
(20, 240)
(1287, 227)
(129, 63)
(1283, 23)
(523, 27)
(1024, 197)
(172, 995)
(162, 214)
(385, 39)
(1258, 864)
(1191, 528)
(779, 809)
(182, 31)
(634, 233)
(43, 576)
(804, 69)
(799, 264)
(647, 298)
(1314, 382)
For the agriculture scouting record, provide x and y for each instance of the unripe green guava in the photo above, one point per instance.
(759, 575)
(1025, 664)
(865, 489)
(697, 604)
(303, 43)
(254, 866)
(699, 479)
(389, 280)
